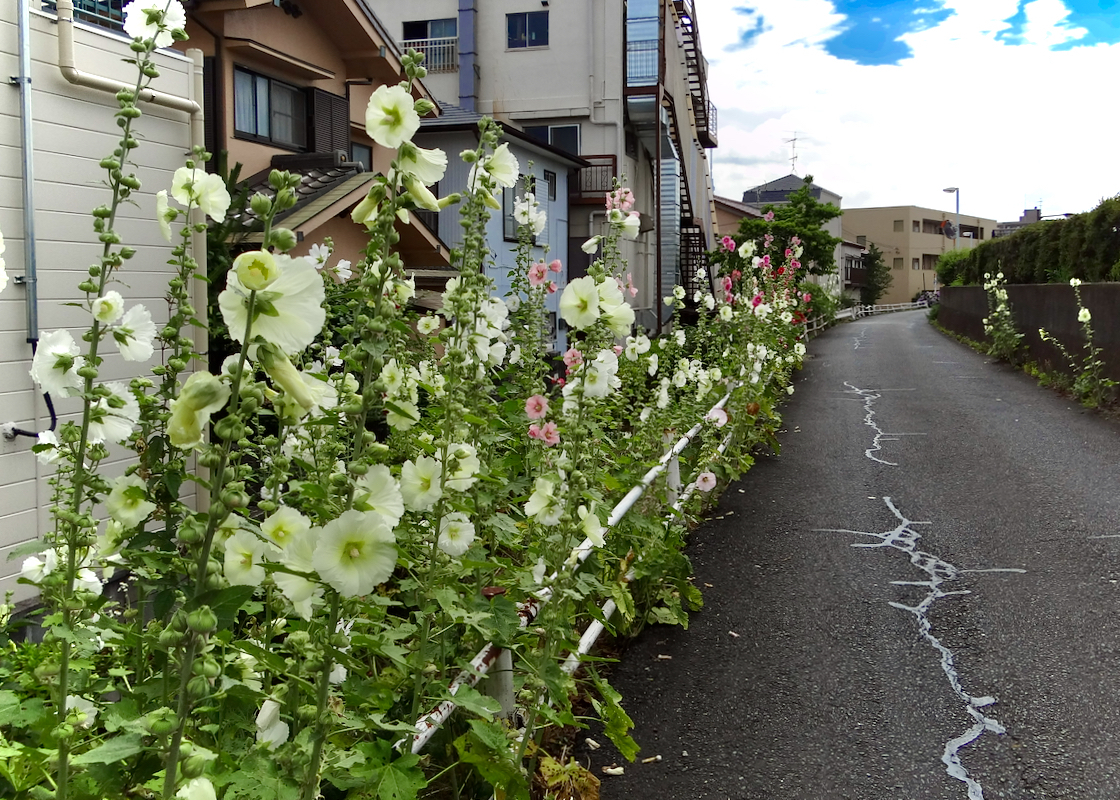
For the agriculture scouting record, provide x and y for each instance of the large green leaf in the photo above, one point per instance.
(112, 750)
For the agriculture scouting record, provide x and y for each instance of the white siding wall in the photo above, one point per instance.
(73, 130)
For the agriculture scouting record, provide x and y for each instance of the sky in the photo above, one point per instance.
(891, 101)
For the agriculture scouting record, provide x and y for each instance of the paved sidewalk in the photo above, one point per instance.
(917, 600)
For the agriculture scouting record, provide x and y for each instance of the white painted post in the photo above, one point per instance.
(499, 683)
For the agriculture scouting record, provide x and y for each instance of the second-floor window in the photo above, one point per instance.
(269, 110)
(527, 29)
(563, 137)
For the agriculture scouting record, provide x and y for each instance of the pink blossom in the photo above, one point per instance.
(795, 240)
(538, 274)
(555, 266)
(766, 261)
(630, 287)
(534, 431)
(617, 349)
(769, 216)
(795, 264)
(788, 252)
(550, 434)
(768, 239)
(536, 407)
(718, 416)
(726, 283)
(756, 300)
(551, 287)
(728, 243)
(573, 357)
(736, 274)
(621, 198)
(706, 481)
(806, 297)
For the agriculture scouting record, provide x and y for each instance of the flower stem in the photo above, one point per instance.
(319, 734)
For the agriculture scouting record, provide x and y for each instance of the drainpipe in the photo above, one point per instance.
(30, 278)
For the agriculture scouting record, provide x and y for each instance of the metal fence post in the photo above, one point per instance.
(499, 683)
(673, 471)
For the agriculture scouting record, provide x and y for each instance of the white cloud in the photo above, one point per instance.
(1012, 124)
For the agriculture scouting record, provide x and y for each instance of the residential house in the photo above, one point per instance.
(546, 166)
(912, 239)
(622, 84)
(51, 179)
(729, 213)
(287, 88)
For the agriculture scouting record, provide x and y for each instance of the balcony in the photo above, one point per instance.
(102, 13)
(707, 125)
(592, 183)
(440, 55)
(641, 63)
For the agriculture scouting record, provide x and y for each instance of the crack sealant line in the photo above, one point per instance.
(430, 722)
(869, 396)
(904, 538)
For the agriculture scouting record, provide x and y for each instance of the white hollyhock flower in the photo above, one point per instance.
(706, 481)
(746, 250)
(427, 324)
(591, 527)
(128, 503)
(456, 533)
(619, 318)
(244, 554)
(202, 394)
(35, 569)
(108, 308)
(709, 302)
(428, 166)
(86, 580)
(113, 419)
(206, 190)
(391, 117)
(466, 467)
(135, 334)
(543, 504)
(652, 368)
(501, 167)
(799, 349)
(164, 214)
(355, 553)
(299, 556)
(49, 438)
(289, 313)
(725, 313)
(1083, 315)
(420, 483)
(197, 789)
(82, 706)
(56, 363)
(579, 304)
(377, 490)
(404, 419)
(154, 19)
(284, 525)
(271, 730)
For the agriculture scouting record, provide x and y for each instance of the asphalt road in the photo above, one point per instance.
(923, 587)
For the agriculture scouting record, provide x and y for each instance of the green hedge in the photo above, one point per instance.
(1085, 246)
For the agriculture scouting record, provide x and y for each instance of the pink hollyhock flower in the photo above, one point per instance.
(706, 481)
(536, 407)
(795, 264)
(769, 216)
(728, 243)
(617, 349)
(766, 261)
(551, 287)
(550, 434)
(756, 300)
(736, 274)
(788, 252)
(806, 297)
(555, 266)
(573, 357)
(768, 239)
(538, 274)
(726, 283)
(535, 431)
(718, 416)
(796, 240)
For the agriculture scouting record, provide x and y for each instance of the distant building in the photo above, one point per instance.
(730, 212)
(1030, 216)
(912, 240)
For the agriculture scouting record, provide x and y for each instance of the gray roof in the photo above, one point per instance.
(776, 191)
(318, 173)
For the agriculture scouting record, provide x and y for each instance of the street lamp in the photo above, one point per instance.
(956, 190)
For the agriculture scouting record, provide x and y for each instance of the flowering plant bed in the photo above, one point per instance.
(383, 492)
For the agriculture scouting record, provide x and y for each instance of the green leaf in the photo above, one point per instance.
(112, 750)
(401, 779)
(616, 722)
(225, 603)
(486, 749)
(470, 699)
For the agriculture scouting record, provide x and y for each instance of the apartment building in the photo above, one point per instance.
(622, 85)
(912, 239)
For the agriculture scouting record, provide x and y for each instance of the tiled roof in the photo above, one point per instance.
(450, 115)
(319, 174)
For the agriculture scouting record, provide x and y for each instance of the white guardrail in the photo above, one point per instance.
(501, 686)
(817, 324)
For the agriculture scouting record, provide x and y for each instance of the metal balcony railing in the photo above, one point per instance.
(593, 182)
(641, 63)
(440, 55)
(102, 13)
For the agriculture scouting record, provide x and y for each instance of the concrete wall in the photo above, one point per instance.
(1050, 306)
(73, 129)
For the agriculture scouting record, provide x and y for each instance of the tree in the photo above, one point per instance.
(804, 216)
(879, 277)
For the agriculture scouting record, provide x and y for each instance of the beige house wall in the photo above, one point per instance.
(879, 226)
(73, 130)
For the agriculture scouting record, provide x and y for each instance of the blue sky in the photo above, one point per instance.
(893, 100)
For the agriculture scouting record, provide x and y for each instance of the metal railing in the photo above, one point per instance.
(440, 55)
(641, 63)
(492, 654)
(593, 182)
(102, 13)
(815, 325)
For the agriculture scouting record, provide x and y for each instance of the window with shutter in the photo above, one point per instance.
(330, 122)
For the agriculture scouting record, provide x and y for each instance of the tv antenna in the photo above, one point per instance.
(793, 156)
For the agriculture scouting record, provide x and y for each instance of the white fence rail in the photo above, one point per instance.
(815, 325)
(502, 686)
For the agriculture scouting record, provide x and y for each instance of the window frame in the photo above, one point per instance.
(524, 16)
(532, 129)
(300, 121)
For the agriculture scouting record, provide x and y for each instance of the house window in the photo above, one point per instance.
(562, 137)
(268, 110)
(528, 29)
(916, 226)
(915, 263)
(550, 179)
(861, 240)
(898, 226)
(430, 29)
(362, 154)
(897, 264)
